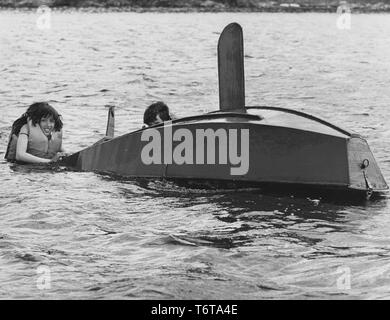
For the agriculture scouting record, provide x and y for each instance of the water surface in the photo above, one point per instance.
(102, 237)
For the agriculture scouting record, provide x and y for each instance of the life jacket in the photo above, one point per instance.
(38, 145)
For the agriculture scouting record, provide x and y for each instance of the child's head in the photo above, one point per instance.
(36, 112)
(156, 113)
(42, 110)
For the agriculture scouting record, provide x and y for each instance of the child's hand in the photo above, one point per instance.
(58, 156)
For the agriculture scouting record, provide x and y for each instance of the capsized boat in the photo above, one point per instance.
(258, 145)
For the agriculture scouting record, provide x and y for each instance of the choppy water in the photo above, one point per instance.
(104, 238)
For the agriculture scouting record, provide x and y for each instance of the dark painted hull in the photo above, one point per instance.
(285, 148)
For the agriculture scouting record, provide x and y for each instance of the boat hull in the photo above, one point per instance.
(277, 154)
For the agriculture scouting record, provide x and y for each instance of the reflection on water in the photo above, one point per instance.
(104, 237)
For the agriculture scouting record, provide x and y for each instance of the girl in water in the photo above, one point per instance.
(36, 137)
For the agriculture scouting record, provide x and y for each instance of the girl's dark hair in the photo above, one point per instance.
(36, 112)
(157, 108)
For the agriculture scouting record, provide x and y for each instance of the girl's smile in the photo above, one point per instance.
(47, 125)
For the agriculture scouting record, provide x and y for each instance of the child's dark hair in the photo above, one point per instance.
(36, 112)
(157, 108)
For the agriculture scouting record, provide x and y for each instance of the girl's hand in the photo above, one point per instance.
(58, 156)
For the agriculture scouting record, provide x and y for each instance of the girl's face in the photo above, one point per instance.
(47, 125)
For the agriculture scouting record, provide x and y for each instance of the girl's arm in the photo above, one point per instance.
(21, 151)
(62, 150)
